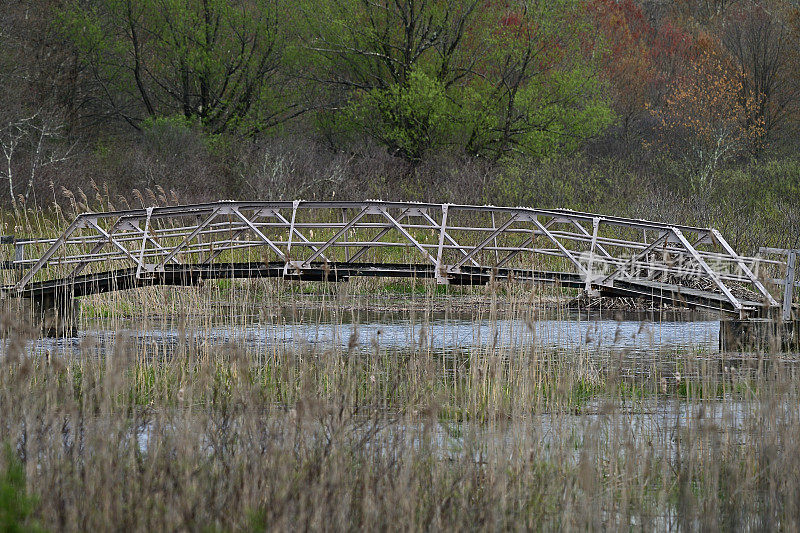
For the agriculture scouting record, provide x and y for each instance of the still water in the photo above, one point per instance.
(439, 333)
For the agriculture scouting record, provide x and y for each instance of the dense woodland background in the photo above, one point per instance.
(682, 110)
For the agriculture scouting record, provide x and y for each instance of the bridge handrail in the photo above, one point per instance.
(580, 239)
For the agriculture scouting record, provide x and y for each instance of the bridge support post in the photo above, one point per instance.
(758, 334)
(56, 313)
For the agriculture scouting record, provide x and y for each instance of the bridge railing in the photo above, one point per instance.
(600, 251)
(780, 268)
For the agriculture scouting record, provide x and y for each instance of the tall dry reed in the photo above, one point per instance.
(210, 431)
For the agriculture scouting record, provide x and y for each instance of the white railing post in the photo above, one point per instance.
(590, 266)
(788, 288)
(144, 243)
(441, 274)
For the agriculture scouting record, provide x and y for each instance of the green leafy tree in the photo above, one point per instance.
(216, 61)
(492, 78)
(391, 67)
(535, 90)
(410, 117)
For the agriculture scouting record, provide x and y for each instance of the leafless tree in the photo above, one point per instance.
(29, 144)
(758, 36)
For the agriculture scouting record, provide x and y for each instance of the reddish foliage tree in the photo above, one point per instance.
(638, 57)
(628, 60)
(707, 118)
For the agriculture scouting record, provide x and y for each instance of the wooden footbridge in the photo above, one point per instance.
(453, 244)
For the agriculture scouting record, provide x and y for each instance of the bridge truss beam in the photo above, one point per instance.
(606, 254)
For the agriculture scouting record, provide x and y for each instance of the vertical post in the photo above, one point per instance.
(441, 275)
(647, 271)
(19, 251)
(788, 288)
(56, 313)
(346, 248)
(496, 253)
(590, 266)
(19, 257)
(291, 231)
(144, 243)
(198, 221)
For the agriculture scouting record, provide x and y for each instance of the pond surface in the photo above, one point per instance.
(400, 331)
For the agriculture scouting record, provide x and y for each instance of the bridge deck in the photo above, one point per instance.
(123, 279)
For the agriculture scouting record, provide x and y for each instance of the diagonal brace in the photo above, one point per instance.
(200, 227)
(447, 236)
(342, 231)
(749, 273)
(524, 244)
(260, 235)
(114, 242)
(407, 235)
(295, 231)
(634, 258)
(386, 229)
(487, 240)
(707, 269)
(77, 223)
(561, 247)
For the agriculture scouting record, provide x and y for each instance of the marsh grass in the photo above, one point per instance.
(219, 435)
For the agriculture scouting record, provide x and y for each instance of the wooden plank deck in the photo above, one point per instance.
(124, 279)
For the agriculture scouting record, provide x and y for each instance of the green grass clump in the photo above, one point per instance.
(16, 505)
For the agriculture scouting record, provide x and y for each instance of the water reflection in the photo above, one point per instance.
(600, 335)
